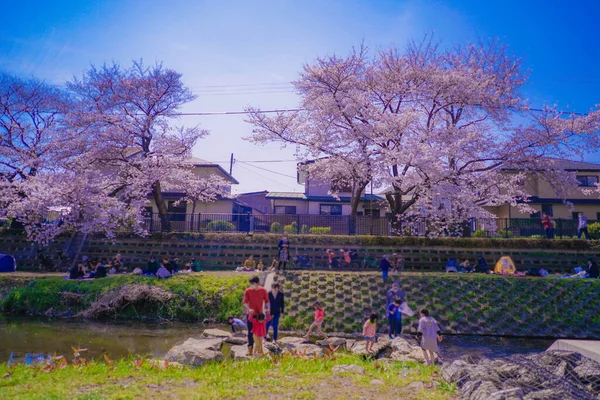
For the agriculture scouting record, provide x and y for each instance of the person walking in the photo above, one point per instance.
(277, 302)
(318, 321)
(385, 267)
(582, 226)
(283, 252)
(259, 331)
(548, 226)
(256, 301)
(428, 334)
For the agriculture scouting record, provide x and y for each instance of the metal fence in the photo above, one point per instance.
(346, 225)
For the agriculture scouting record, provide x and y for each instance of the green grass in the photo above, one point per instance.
(195, 297)
(298, 378)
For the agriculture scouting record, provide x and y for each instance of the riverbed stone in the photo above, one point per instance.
(360, 347)
(237, 340)
(239, 352)
(216, 333)
(293, 340)
(352, 368)
(196, 351)
(478, 390)
(403, 350)
(334, 341)
(306, 349)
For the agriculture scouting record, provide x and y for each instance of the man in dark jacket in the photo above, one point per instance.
(276, 299)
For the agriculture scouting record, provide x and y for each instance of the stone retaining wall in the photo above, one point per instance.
(462, 304)
(228, 255)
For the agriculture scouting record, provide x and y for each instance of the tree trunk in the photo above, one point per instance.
(354, 203)
(398, 207)
(162, 207)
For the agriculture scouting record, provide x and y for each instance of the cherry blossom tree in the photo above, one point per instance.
(440, 128)
(129, 114)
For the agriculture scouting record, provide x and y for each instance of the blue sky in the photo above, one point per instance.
(239, 53)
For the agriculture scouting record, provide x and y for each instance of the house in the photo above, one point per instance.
(253, 202)
(317, 200)
(545, 200)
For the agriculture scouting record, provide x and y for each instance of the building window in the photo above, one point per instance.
(547, 209)
(587, 180)
(375, 212)
(285, 209)
(330, 209)
(176, 212)
(536, 214)
(575, 215)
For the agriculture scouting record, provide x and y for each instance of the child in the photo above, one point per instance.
(236, 323)
(395, 318)
(260, 265)
(259, 331)
(331, 258)
(319, 316)
(429, 334)
(274, 264)
(370, 332)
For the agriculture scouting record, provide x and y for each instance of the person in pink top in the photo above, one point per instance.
(370, 332)
(319, 316)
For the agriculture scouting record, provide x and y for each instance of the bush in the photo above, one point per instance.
(220, 226)
(594, 230)
(480, 233)
(292, 228)
(320, 230)
(275, 227)
(304, 229)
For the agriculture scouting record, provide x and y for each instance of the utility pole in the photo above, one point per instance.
(231, 164)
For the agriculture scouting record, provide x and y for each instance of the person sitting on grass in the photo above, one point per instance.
(318, 321)
(451, 265)
(370, 332)
(163, 272)
(99, 270)
(77, 272)
(195, 265)
(236, 323)
(332, 260)
(259, 331)
(152, 266)
(274, 264)
(260, 267)
(428, 333)
(482, 265)
(249, 264)
(593, 271)
(465, 266)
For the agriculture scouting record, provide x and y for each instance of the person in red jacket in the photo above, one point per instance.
(259, 331)
(548, 226)
(256, 301)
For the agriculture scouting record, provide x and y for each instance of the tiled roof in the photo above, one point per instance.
(302, 196)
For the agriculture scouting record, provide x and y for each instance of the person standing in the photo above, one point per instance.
(593, 271)
(277, 303)
(582, 226)
(259, 331)
(256, 301)
(395, 319)
(548, 226)
(283, 252)
(429, 335)
(385, 267)
(395, 294)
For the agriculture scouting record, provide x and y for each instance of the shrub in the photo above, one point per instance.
(292, 228)
(220, 226)
(480, 233)
(304, 229)
(275, 227)
(594, 230)
(320, 230)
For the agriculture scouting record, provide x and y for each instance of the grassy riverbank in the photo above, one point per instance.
(194, 297)
(284, 377)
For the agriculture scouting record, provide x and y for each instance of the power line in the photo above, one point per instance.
(268, 170)
(235, 112)
(265, 179)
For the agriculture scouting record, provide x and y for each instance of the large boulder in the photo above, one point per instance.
(403, 350)
(306, 349)
(196, 351)
(360, 347)
(216, 333)
(239, 352)
(478, 390)
(333, 341)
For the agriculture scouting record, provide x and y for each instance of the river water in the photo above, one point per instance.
(20, 336)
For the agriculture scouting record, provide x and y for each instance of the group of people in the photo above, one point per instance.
(480, 265)
(549, 226)
(93, 269)
(167, 268)
(264, 310)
